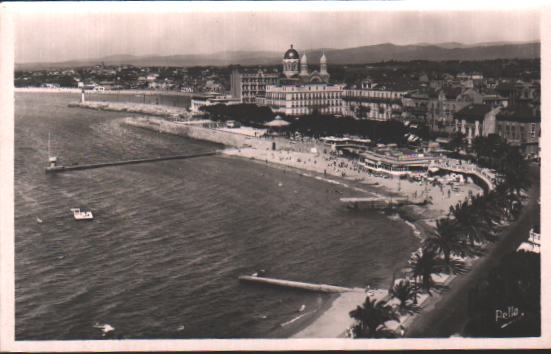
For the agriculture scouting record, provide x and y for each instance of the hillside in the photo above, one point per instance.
(357, 55)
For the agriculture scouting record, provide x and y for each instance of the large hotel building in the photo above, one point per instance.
(296, 91)
(247, 87)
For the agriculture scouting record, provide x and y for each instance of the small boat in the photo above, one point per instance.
(260, 273)
(38, 220)
(105, 328)
(82, 215)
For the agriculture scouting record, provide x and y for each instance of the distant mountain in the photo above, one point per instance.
(357, 55)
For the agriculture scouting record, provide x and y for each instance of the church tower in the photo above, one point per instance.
(291, 63)
(303, 66)
(323, 68)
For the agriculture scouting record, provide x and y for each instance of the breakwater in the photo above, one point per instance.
(375, 202)
(195, 131)
(124, 162)
(323, 288)
(153, 110)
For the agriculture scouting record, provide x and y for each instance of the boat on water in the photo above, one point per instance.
(81, 214)
(52, 160)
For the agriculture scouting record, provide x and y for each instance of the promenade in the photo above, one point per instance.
(448, 315)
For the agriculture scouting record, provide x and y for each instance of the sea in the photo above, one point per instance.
(162, 257)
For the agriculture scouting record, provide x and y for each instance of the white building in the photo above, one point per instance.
(250, 87)
(305, 98)
(301, 92)
(375, 102)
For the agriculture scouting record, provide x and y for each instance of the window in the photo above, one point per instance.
(533, 130)
(522, 133)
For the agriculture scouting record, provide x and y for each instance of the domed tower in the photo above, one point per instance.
(291, 62)
(303, 66)
(323, 68)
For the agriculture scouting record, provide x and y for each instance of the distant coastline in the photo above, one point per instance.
(106, 92)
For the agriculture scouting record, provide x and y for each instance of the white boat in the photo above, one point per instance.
(52, 160)
(82, 215)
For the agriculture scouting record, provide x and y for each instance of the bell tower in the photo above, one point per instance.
(323, 68)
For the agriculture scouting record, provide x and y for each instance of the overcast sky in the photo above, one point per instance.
(50, 37)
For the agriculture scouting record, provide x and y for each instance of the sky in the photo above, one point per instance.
(53, 36)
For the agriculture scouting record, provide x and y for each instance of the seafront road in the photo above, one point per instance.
(449, 314)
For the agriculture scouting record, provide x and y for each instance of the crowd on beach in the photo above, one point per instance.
(441, 192)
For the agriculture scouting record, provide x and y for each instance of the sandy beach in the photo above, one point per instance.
(350, 174)
(313, 159)
(333, 320)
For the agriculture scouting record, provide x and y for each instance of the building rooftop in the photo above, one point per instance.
(291, 53)
(400, 86)
(451, 93)
(473, 112)
(522, 113)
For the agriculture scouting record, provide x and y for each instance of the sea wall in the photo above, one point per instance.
(153, 110)
(192, 130)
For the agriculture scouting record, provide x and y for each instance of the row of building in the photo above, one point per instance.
(455, 104)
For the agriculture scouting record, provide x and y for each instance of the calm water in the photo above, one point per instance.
(169, 239)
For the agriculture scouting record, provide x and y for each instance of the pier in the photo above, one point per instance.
(375, 202)
(322, 288)
(56, 169)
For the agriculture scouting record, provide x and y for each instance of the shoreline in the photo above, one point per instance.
(105, 92)
(332, 319)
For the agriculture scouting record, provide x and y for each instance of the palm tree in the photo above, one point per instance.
(471, 225)
(423, 264)
(508, 200)
(488, 206)
(513, 168)
(406, 292)
(447, 241)
(371, 318)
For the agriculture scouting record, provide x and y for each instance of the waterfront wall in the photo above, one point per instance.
(154, 110)
(194, 131)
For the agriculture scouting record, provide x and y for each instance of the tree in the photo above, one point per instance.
(489, 149)
(515, 170)
(447, 241)
(406, 292)
(457, 142)
(371, 318)
(423, 264)
(487, 211)
(471, 225)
